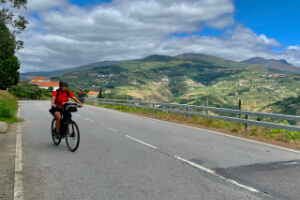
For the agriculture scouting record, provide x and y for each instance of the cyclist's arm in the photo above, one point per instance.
(53, 102)
(75, 99)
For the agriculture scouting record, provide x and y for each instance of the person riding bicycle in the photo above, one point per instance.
(80, 95)
(59, 97)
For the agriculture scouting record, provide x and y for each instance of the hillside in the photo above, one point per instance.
(28, 75)
(274, 65)
(84, 68)
(58, 73)
(190, 79)
(202, 58)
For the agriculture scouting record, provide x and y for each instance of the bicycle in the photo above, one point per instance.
(68, 127)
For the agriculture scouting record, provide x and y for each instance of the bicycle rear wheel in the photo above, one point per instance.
(56, 141)
(73, 136)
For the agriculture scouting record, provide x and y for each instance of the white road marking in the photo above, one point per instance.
(18, 180)
(291, 163)
(215, 174)
(196, 128)
(227, 135)
(149, 145)
(89, 120)
(110, 128)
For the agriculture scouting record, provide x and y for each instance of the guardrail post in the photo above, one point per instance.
(153, 110)
(206, 111)
(246, 125)
(187, 115)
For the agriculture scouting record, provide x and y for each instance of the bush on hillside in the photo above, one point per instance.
(25, 90)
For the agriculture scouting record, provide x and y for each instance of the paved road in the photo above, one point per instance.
(123, 156)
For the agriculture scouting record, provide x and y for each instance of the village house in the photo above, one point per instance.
(43, 82)
(39, 80)
(92, 94)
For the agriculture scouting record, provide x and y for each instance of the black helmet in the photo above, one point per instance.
(63, 82)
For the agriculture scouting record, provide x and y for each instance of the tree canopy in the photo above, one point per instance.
(9, 63)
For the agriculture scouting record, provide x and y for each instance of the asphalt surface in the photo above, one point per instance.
(123, 156)
(7, 163)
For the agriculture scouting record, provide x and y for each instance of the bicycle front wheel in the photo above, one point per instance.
(56, 141)
(73, 136)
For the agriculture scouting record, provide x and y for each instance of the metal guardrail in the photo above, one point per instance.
(192, 110)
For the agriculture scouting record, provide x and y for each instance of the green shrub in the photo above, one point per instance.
(29, 91)
(8, 106)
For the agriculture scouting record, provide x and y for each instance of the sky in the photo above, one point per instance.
(68, 33)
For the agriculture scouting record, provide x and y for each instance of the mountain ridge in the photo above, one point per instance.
(280, 65)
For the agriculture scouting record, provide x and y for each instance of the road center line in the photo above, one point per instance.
(226, 135)
(89, 120)
(149, 145)
(215, 174)
(110, 128)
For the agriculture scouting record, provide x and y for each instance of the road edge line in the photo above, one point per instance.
(18, 179)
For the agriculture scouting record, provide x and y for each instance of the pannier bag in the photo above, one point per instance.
(71, 108)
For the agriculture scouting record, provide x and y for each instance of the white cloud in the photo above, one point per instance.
(294, 48)
(67, 36)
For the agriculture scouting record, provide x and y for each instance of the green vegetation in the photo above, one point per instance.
(30, 91)
(27, 91)
(191, 80)
(255, 132)
(8, 107)
(9, 63)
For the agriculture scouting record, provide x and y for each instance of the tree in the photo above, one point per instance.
(50, 89)
(8, 18)
(100, 92)
(9, 63)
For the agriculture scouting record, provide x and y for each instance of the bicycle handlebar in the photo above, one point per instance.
(68, 104)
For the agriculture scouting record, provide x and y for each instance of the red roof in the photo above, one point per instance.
(39, 78)
(49, 84)
(92, 92)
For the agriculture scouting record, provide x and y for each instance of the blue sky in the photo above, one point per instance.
(69, 33)
(279, 19)
(88, 2)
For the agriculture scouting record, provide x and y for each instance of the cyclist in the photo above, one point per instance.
(80, 95)
(59, 97)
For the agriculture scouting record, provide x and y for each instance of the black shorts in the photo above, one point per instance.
(53, 110)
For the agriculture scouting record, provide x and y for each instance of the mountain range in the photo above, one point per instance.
(191, 79)
(272, 64)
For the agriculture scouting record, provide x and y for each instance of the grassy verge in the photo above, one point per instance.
(8, 107)
(281, 137)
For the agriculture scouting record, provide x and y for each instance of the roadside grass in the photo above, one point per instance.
(266, 134)
(8, 107)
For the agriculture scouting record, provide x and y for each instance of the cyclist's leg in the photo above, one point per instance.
(57, 115)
